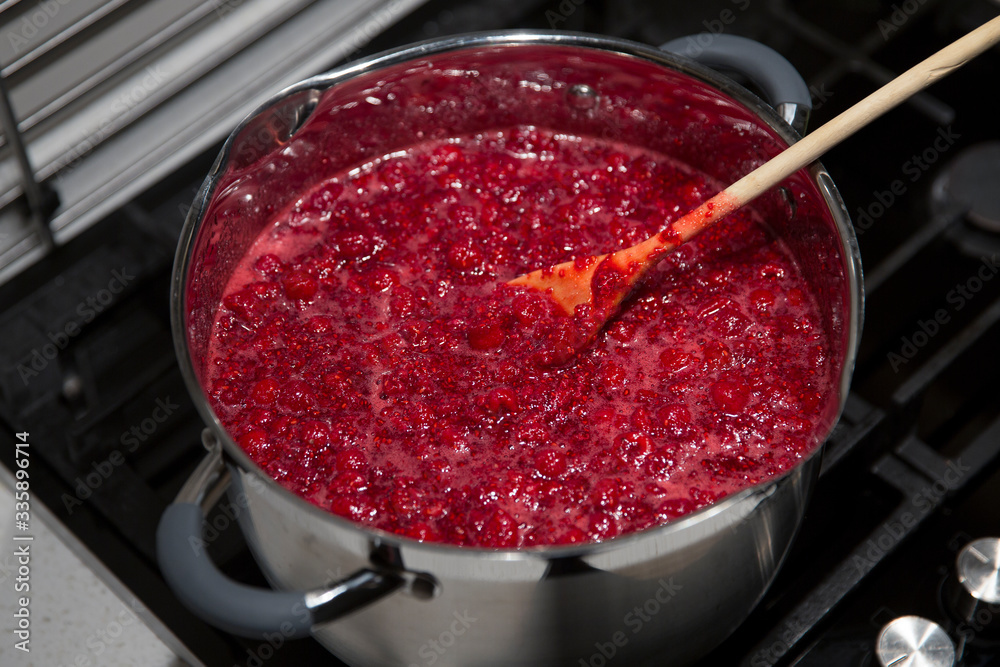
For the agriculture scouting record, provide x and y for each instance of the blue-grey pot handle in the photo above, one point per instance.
(770, 71)
(234, 607)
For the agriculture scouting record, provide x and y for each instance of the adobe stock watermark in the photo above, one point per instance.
(792, 629)
(21, 35)
(893, 531)
(982, 619)
(433, 649)
(634, 621)
(877, 546)
(614, 130)
(260, 138)
(228, 513)
(376, 23)
(7, 568)
(957, 298)
(119, 110)
(184, 208)
(273, 641)
(130, 441)
(373, 24)
(86, 311)
(108, 638)
(916, 166)
(819, 95)
(901, 13)
(695, 45)
(562, 12)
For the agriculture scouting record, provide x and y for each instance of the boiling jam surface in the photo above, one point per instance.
(368, 355)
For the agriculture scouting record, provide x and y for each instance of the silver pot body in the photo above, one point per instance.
(670, 593)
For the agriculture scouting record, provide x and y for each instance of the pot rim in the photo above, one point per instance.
(850, 254)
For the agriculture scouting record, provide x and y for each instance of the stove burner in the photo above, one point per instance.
(970, 183)
(977, 593)
(912, 641)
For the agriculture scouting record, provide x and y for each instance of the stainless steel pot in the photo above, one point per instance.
(675, 591)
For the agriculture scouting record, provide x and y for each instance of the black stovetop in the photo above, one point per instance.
(911, 474)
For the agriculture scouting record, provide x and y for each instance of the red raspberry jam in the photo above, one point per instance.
(369, 356)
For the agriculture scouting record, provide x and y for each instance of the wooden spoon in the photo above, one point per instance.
(602, 282)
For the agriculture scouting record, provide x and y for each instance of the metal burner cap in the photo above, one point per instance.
(978, 569)
(912, 641)
(971, 182)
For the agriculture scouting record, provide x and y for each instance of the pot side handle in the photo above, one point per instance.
(780, 82)
(234, 607)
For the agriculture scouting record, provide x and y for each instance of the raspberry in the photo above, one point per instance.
(351, 460)
(528, 309)
(244, 305)
(421, 531)
(730, 322)
(381, 280)
(531, 433)
(486, 337)
(675, 360)
(229, 395)
(602, 526)
(673, 415)
(347, 483)
(315, 433)
(265, 392)
(402, 303)
(296, 396)
(660, 463)
(300, 285)
(606, 493)
(501, 399)
(353, 245)
(464, 256)
(702, 497)
(622, 331)
(573, 535)
(675, 507)
(257, 445)
(453, 439)
(730, 396)
(494, 529)
(550, 462)
(717, 356)
(762, 299)
(269, 265)
(642, 420)
(614, 376)
(354, 506)
(406, 500)
(772, 270)
(260, 417)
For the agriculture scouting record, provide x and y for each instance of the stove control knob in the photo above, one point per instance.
(977, 569)
(913, 641)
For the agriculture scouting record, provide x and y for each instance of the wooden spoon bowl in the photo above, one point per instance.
(602, 282)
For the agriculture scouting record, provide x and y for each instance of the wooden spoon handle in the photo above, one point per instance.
(833, 132)
(570, 283)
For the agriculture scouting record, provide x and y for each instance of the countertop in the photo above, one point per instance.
(80, 614)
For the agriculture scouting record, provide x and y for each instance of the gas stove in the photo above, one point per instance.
(893, 561)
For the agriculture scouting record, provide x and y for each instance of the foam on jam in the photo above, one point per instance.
(369, 356)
